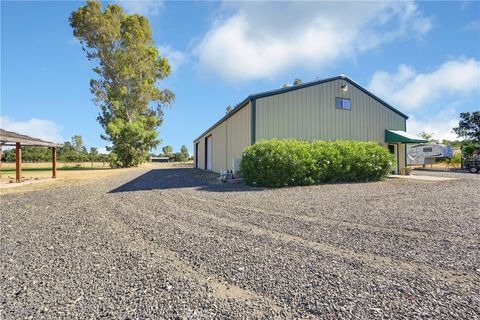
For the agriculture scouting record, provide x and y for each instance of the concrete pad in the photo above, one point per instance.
(419, 177)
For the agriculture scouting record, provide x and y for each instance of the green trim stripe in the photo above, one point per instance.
(397, 136)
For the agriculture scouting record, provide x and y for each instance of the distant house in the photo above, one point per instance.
(331, 109)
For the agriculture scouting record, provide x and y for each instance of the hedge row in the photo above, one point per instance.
(280, 163)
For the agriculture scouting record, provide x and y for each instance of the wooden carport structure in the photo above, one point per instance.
(9, 138)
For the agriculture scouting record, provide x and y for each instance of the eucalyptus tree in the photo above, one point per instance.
(129, 68)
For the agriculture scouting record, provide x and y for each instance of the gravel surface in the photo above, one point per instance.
(175, 243)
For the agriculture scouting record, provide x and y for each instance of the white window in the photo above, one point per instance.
(342, 103)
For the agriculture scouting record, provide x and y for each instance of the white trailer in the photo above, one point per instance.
(427, 153)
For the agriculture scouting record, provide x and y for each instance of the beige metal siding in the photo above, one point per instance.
(239, 134)
(218, 147)
(229, 139)
(310, 114)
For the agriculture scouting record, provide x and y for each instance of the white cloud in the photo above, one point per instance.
(37, 128)
(464, 5)
(142, 7)
(410, 90)
(175, 57)
(440, 124)
(473, 26)
(103, 150)
(251, 40)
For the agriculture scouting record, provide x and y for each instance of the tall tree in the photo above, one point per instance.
(93, 155)
(427, 136)
(129, 66)
(73, 150)
(77, 143)
(167, 150)
(184, 152)
(469, 126)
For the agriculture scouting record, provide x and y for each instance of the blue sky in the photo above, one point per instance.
(421, 57)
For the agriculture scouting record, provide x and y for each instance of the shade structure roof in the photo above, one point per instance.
(398, 136)
(11, 138)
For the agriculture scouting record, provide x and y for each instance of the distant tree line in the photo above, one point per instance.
(181, 156)
(73, 150)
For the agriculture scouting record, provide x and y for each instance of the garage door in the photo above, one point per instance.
(208, 153)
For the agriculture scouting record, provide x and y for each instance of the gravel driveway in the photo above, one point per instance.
(175, 243)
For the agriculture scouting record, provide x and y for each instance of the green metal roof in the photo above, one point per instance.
(402, 136)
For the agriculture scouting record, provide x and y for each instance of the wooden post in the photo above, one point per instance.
(54, 162)
(1, 155)
(18, 162)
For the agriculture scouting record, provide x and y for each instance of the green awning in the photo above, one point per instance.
(398, 136)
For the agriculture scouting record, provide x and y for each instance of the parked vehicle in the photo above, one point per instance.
(472, 164)
(427, 153)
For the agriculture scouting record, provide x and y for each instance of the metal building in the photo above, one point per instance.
(331, 109)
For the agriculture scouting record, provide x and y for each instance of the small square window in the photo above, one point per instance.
(342, 103)
(427, 149)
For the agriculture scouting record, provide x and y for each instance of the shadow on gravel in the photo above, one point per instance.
(177, 178)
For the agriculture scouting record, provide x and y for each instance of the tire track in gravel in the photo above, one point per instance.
(200, 272)
(371, 203)
(337, 222)
(205, 226)
(220, 289)
(205, 275)
(450, 262)
(465, 280)
(107, 222)
(125, 223)
(319, 245)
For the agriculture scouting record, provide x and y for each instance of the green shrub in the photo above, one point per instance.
(280, 163)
